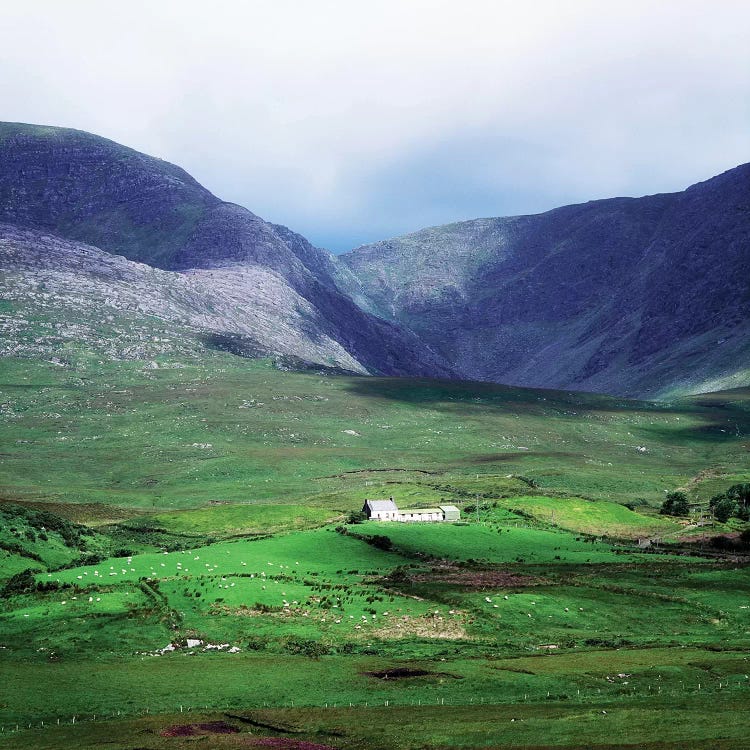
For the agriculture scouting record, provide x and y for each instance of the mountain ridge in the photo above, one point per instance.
(642, 297)
(87, 189)
(580, 296)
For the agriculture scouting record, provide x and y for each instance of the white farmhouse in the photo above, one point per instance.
(387, 510)
(380, 510)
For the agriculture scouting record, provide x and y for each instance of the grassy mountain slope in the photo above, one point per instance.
(176, 425)
(633, 296)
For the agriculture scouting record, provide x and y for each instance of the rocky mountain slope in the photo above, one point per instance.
(215, 266)
(632, 296)
(127, 310)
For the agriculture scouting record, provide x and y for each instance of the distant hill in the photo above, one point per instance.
(630, 296)
(280, 291)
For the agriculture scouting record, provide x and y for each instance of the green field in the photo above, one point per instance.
(193, 569)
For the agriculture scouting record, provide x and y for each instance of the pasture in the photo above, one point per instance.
(179, 548)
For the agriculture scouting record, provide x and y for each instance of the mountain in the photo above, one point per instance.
(631, 296)
(223, 270)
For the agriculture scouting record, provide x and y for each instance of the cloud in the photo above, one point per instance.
(353, 121)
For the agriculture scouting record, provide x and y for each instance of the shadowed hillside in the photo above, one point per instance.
(635, 296)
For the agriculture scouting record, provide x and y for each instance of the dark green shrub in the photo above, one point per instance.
(675, 504)
(724, 509)
(381, 541)
(20, 583)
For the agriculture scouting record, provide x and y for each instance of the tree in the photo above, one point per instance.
(740, 493)
(20, 583)
(675, 504)
(735, 501)
(356, 516)
(724, 509)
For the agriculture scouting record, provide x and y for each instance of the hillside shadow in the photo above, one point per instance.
(718, 421)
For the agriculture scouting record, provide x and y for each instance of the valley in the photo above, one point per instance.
(195, 404)
(203, 506)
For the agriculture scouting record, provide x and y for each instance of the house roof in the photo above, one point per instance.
(388, 505)
(449, 508)
(420, 510)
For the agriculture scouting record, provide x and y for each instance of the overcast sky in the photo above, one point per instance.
(357, 120)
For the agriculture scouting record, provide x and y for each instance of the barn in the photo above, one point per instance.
(417, 515)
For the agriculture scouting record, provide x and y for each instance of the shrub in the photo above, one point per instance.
(740, 493)
(20, 583)
(675, 504)
(722, 542)
(724, 509)
(381, 541)
(304, 647)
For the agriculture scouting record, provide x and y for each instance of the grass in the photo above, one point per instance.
(241, 432)
(214, 490)
(495, 544)
(597, 518)
(244, 519)
(652, 724)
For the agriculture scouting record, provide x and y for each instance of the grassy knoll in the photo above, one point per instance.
(596, 518)
(496, 543)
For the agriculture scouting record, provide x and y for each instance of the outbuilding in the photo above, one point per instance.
(420, 515)
(450, 513)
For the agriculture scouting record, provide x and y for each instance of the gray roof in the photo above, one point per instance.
(382, 505)
(448, 507)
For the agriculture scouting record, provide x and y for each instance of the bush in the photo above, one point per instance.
(381, 541)
(304, 647)
(356, 516)
(722, 542)
(20, 583)
(724, 509)
(675, 504)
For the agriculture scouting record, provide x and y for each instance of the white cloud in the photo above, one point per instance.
(326, 115)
